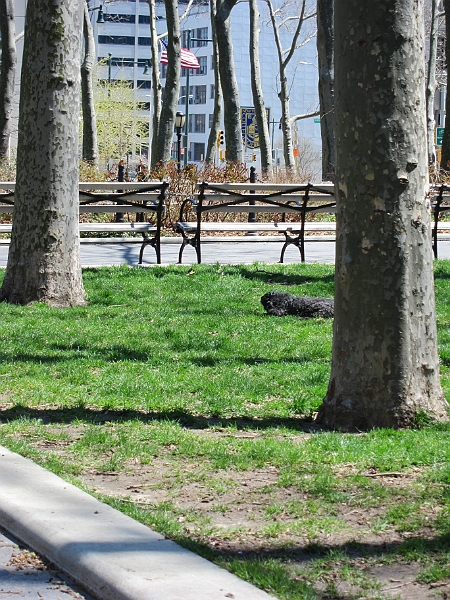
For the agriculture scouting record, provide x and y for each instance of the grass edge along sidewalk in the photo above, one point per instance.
(204, 432)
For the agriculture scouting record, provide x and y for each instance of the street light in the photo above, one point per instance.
(179, 124)
(100, 17)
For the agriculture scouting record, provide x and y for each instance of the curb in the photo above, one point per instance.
(112, 556)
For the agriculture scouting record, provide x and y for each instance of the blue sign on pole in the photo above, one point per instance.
(249, 128)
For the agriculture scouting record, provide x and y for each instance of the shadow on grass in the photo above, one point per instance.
(310, 552)
(101, 416)
(271, 277)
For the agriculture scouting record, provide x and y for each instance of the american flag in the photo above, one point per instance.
(188, 59)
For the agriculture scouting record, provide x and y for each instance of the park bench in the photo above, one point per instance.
(136, 198)
(250, 199)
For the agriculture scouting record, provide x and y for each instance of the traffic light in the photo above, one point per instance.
(220, 138)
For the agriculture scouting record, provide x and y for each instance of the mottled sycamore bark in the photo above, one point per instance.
(7, 72)
(257, 93)
(156, 85)
(445, 158)
(90, 145)
(231, 107)
(431, 80)
(385, 367)
(217, 111)
(43, 262)
(325, 59)
(166, 126)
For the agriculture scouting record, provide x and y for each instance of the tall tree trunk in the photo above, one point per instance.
(445, 159)
(156, 86)
(43, 262)
(230, 90)
(217, 111)
(283, 95)
(172, 87)
(385, 366)
(90, 144)
(7, 72)
(325, 43)
(431, 81)
(284, 58)
(258, 97)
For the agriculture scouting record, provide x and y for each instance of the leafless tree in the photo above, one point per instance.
(7, 72)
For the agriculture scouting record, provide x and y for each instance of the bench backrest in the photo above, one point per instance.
(125, 196)
(265, 197)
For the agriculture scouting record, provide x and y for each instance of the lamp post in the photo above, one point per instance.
(100, 16)
(179, 123)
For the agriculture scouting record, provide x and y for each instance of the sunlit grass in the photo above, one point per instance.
(180, 371)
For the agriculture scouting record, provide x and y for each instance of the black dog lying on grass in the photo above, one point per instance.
(280, 304)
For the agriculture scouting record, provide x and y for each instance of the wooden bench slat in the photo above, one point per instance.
(153, 194)
(271, 226)
(117, 227)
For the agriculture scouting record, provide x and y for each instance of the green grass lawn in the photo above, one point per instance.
(172, 396)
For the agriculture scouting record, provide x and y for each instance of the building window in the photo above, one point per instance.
(212, 63)
(144, 84)
(144, 41)
(182, 98)
(200, 94)
(163, 71)
(203, 62)
(114, 18)
(213, 90)
(184, 39)
(199, 123)
(197, 151)
(196, 123)
(123, 62)
(123, 40)
(211, 120)
(201, 34)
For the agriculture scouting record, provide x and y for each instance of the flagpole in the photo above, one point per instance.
(186, 111)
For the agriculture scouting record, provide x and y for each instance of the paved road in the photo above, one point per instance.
(225, 253)
(23, 574)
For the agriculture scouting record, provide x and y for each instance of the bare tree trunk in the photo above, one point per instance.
(7, 72)
(445, 159)
(283, 95)
(233, 136)
(90, 144)
(172, 87)
(284, 58)
(385, 366)
(156, 85)
(217, 111)
(43, 262)
(325, 43)
(431, 81)
(258, 97)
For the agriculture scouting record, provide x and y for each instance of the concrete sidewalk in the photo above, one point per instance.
(248, 252)
(109, 554)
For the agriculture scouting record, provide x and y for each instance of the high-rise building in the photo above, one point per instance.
(124, 40)
(123, 51)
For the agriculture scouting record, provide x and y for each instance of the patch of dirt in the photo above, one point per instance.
(249, 514)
